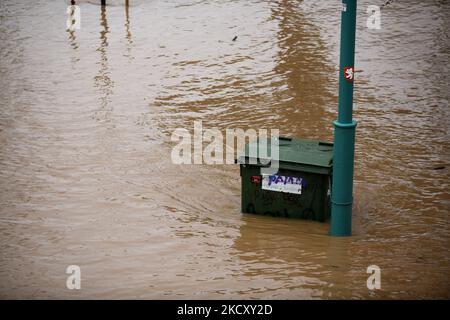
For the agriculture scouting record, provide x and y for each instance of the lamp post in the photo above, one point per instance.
(344, 128)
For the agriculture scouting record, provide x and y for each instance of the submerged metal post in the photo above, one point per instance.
(344, 128)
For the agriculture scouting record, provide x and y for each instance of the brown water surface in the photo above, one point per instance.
(86, 176)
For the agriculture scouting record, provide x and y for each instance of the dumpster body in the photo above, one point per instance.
(301, 187)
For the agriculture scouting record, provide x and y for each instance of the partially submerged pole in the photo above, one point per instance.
(344, 132)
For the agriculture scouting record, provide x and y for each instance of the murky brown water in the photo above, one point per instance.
(85, 169)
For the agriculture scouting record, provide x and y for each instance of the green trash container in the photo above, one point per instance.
(300, 189)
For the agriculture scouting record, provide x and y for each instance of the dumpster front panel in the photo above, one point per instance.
(289, 194)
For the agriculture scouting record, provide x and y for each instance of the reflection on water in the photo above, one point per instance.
(103, 80)
(127, 29)
(308, 74)
(85, 170)
(73, 40)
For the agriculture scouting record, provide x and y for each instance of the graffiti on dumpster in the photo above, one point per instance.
(280, 183)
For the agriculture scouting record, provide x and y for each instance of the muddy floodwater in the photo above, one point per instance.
(86, 176)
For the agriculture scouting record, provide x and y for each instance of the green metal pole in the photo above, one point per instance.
(344, 128)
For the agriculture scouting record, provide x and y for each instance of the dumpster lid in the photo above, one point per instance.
(298, 151)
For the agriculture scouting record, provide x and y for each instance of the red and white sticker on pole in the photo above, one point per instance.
(349, 74)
